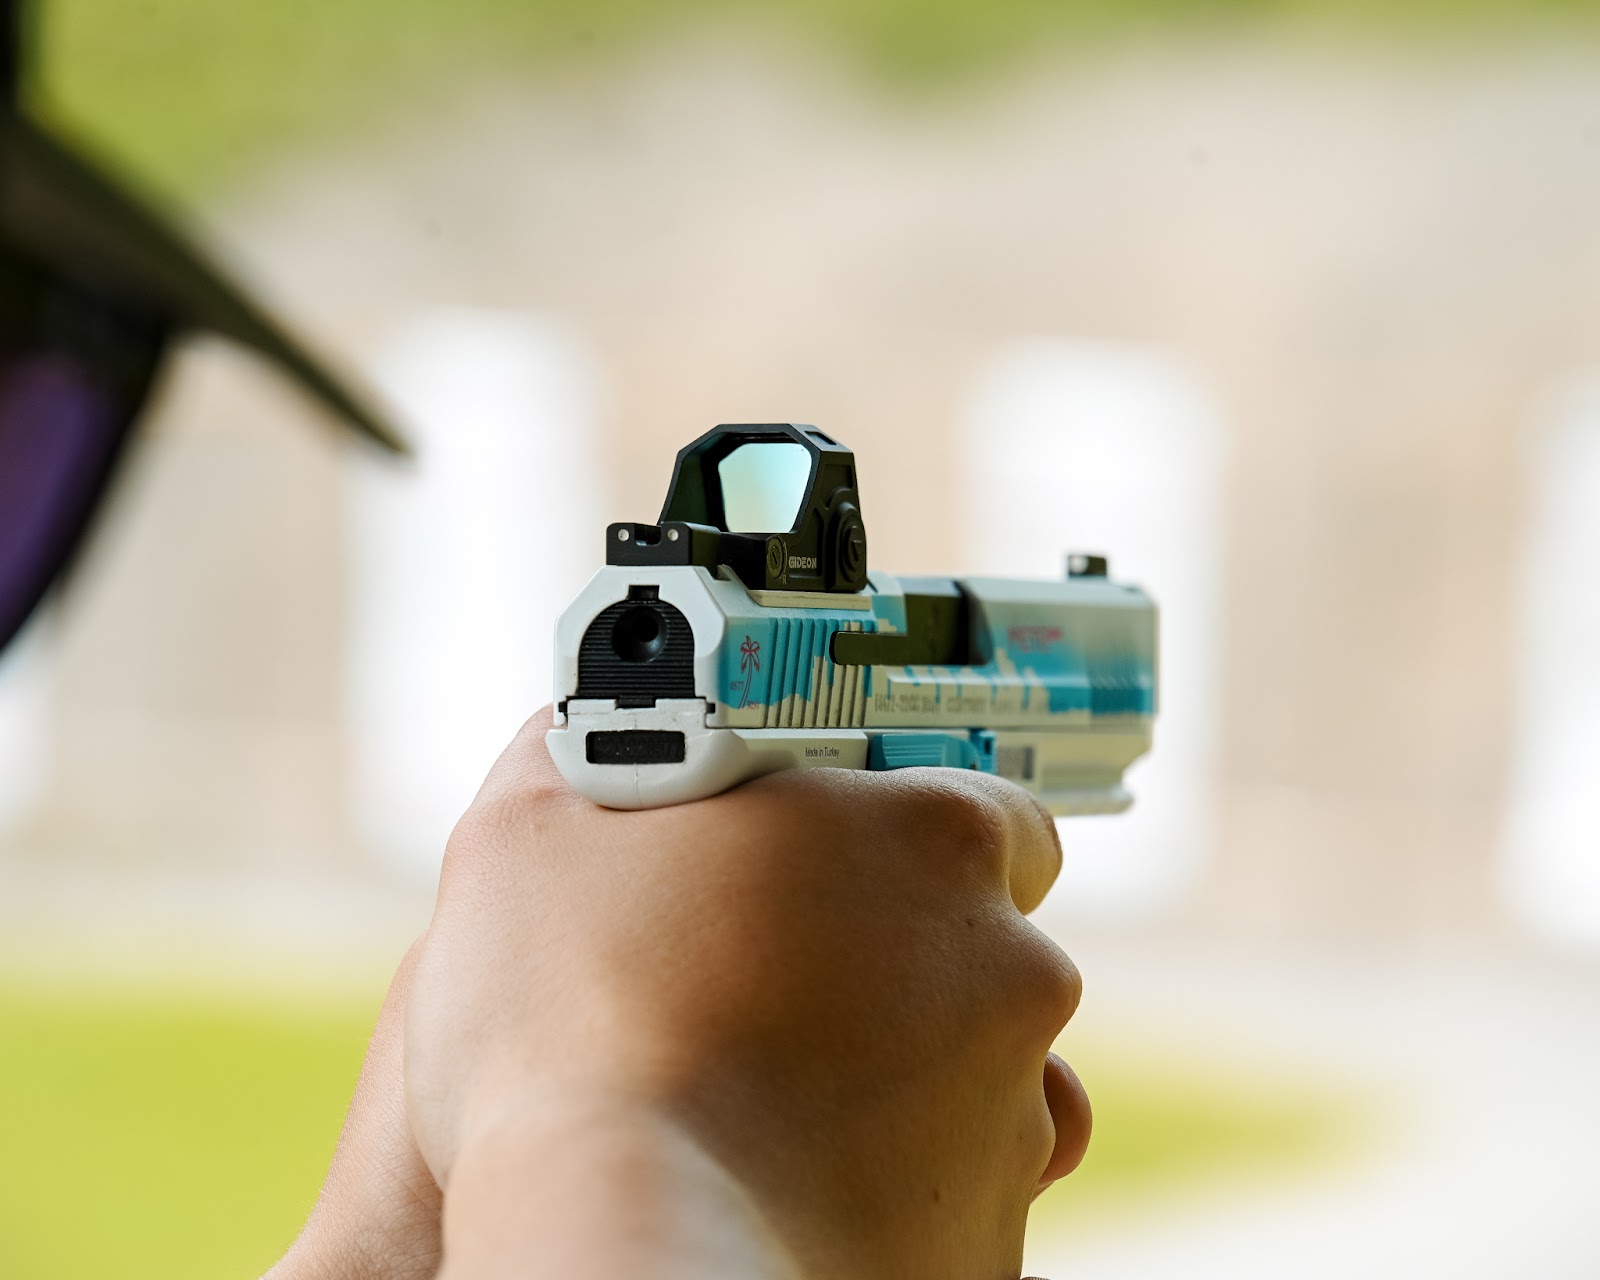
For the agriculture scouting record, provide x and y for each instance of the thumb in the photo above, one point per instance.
(379, 1208)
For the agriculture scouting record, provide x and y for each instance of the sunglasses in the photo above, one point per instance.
(95, 289)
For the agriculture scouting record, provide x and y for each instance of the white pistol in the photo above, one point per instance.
(743, 633)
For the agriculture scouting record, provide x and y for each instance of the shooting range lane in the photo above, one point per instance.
(1476, 1070)
(1377, 384)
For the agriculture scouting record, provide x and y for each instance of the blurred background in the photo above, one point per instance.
(1292, 308)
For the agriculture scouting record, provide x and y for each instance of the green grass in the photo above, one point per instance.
(191, 92)
(151, 1135)
(142, 1136)
(1168, 1125)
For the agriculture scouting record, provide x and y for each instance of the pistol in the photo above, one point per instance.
(743, 633)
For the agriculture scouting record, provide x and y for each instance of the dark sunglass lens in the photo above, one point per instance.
(59, 432)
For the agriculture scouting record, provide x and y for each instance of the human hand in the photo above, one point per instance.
(820, 983)
(378, 1213)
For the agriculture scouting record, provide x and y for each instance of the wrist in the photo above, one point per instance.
(558, 1183)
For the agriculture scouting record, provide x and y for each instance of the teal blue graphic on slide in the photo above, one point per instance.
(1057, 649)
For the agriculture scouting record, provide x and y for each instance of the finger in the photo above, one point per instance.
(522, 783)
(1034, 846)
(378, 1108)
(1073, 1119)
(380, 1205)
(993, 813)
(525, 765)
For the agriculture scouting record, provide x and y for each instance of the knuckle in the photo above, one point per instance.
(1053, 986)
(520, 786)
(965, 821)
